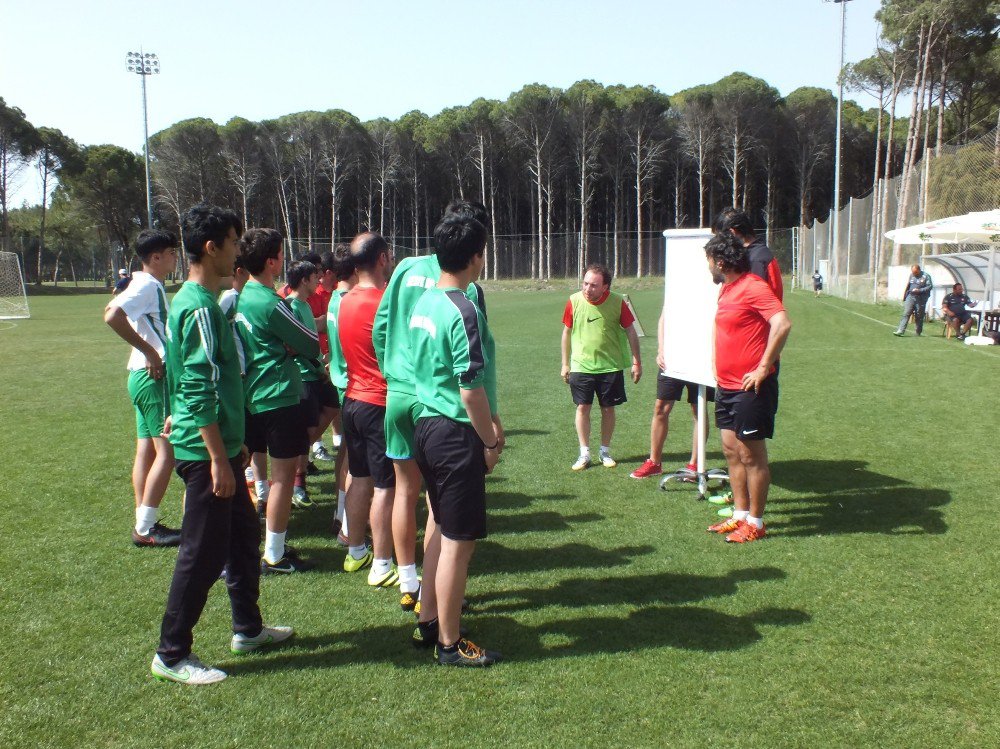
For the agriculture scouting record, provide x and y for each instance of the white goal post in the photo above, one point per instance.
(13, 297)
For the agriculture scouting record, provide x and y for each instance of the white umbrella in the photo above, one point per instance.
(981, 227)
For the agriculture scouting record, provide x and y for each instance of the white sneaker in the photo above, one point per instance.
(188, 671)
(607, 461)
(319, 453)
(268, 636)
(582, 462)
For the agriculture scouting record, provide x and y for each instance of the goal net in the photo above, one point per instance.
(13, 298)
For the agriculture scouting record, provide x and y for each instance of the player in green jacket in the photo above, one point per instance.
(390, 335)
(220, 527)
(456, 442)
(272, 335)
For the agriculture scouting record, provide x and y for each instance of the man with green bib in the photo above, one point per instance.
(598, 338)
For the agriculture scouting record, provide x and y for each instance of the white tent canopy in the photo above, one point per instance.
(982, 227)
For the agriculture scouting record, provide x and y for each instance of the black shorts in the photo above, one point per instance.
(963, 317)
(450, 457)
(364, 435)
(750, 415)
(817, 286)
(319, 394)
(281, 432)
(671, 389)
(609, 386)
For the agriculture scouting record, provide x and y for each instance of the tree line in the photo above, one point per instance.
(590, 172)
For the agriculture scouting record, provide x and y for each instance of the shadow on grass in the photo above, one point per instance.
(496, 559)
(526, 432)
(826, 476)
(843, 496)
(682, 627)
(530, 522)
(900, 511)
(639, 590)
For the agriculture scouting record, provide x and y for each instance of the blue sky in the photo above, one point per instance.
(64, 65)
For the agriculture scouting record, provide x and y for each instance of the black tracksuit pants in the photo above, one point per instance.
(214, 533)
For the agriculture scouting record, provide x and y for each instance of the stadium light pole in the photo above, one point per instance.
(145, 64)
(836, 158)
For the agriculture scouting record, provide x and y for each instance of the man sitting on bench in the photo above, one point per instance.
(955, 313)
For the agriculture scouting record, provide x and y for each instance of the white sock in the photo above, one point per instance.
(263, 489)
(336, 441)
(585, 452)
(381, 567)
(144, 518)
(758, 522)
(740, 514)
(274, 546)
(248, 473)
(605, 449)
(341, 515)
(408, 578)
(358, 552)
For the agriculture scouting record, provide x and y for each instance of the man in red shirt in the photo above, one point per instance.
(373, 479)
(751, 327)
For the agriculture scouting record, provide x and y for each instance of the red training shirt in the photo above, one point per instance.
(318, 302)
(354, 326)
(741, 328)
(626, 317)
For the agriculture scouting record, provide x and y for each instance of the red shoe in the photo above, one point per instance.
(647, 469)
(745, 534)
(728, 525)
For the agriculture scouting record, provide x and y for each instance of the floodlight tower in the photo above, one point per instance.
(836, 158)
(145, 64)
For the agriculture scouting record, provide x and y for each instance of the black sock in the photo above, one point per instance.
(447, 648)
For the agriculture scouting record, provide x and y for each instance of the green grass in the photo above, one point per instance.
(868, 618)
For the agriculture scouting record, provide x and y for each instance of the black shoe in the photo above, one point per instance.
(288, 564)
(466, 653)
(159, 535)
(311, 469)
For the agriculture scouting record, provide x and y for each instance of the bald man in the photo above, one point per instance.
(918, 291)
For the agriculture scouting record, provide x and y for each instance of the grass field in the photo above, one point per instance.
(867, 618)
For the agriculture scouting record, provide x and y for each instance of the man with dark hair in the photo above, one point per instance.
(918, 290)
(340, 265)
(762, 260)
(598, 333)
(817, 282)
(206, 396)
(390, 335)
(955, 313)
(373, 480)
(751, 328)
(139, 316)
(275, 424)
(456, 442)
(319, 399)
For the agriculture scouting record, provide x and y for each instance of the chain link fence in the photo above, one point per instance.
(949, 181)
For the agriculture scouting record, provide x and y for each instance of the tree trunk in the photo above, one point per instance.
(41, 228)
(911, 140)
(943, 89)
(874, 228)
(638, 204)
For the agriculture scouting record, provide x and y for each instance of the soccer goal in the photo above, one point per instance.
(13, 297)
